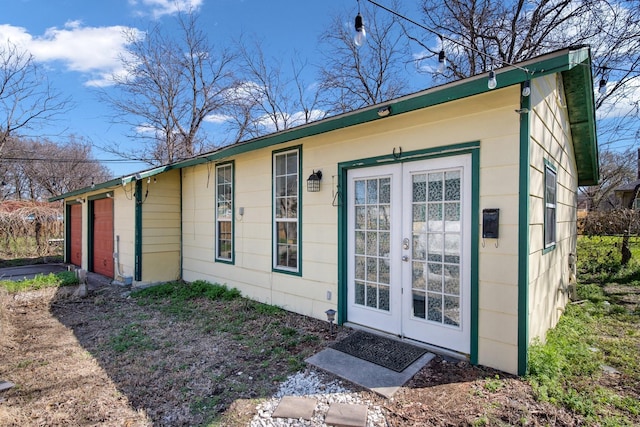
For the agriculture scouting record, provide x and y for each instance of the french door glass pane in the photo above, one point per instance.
(437, 248)
(372, 244)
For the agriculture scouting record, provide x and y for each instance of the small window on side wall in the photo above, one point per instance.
(550, 193)
(224, 212)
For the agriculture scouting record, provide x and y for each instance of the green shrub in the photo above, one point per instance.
(182, 291)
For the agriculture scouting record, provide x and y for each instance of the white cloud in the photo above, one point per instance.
(159, 8)
(217, 118)
(94, 51)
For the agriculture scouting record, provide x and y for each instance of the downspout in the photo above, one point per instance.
(138, 232)
(180, 275)
(523, 238)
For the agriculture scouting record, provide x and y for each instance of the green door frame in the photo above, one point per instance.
(472, 148)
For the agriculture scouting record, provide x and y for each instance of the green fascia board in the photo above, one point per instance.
(578, 84)
(560, 61)
(113, 183)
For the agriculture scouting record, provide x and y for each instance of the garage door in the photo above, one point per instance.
(102, 242)
(75, 234)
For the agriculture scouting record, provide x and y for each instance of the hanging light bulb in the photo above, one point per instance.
(442, 58)
(602, 87)
(492, 82)
(361, 35)
(442, 62)
(526, 88)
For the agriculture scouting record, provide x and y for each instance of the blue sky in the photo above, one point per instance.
(78, 42)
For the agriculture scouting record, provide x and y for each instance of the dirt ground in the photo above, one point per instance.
(106, 360)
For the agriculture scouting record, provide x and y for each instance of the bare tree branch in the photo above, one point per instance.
(26, 96)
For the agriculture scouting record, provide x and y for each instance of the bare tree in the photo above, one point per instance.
(479, 34)
(170, 87)
(38, 169)
(26, 96)
(269, 97)
(353, 77)
(616, 169)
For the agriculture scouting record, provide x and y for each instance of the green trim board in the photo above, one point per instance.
(181, 227)
(574, 63)
(90, 238)
(475, 254)
(472, 148)
(523, 239)
(138, 232)
(67, 232)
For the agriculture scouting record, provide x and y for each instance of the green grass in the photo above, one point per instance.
(598, 330)
(260, 327)
(63, 278)
(131, 337)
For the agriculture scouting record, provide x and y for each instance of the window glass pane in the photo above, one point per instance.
(372, 296)
(292, 163)
(435, 187)
(419, 188)
(385, 190)
(292, 185)
(384, 215)
(451, 311)
(224, 239)
(281, 163)
(383, 292)
(360, 192)
(372, 191)
(419, 304)
(359, 291)
(434, 306)
(452, 185)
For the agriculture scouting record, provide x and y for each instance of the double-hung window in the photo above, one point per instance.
(286, 212)
(224, 212)
(550, 193)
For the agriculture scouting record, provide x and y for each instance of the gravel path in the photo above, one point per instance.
(325, 390)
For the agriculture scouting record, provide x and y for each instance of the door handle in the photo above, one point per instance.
(405, 258)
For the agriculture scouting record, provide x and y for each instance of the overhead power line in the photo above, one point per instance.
(67, 160)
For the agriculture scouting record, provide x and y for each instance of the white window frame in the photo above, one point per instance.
(227, 215)
(277, 199)
(550, 206)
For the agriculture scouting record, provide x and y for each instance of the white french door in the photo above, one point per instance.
(409, 250)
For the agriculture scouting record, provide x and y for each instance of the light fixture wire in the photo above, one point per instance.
(432, 31)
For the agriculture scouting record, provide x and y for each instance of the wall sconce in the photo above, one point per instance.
(313, 183)
(110, 195)
(79, 200)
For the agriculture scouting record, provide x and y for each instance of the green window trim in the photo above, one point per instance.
(224, 213)
(286, 211)
(550, 206)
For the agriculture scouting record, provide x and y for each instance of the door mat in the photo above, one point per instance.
(386, 352)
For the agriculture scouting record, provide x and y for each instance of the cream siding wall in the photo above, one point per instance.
(550, 141)
(488, 118)
(161, 228)
(124, 228)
